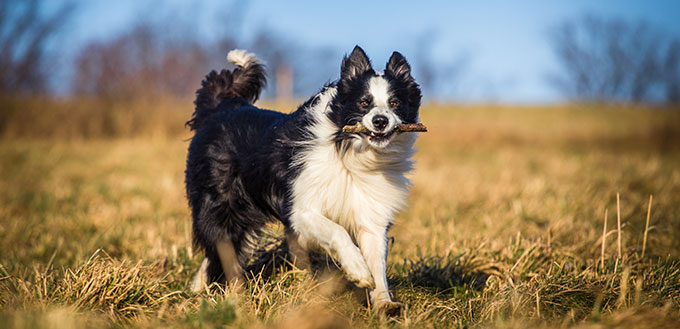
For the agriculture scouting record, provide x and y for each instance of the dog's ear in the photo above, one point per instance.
(398, 67)
(356, 64)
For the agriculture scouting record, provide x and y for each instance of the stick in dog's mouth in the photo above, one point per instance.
(404, 127)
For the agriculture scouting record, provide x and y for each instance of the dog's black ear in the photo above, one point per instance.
(357, 63)
(398, 67)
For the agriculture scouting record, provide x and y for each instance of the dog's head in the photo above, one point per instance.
(380, 101)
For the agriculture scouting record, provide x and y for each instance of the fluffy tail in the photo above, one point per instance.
(245, 81)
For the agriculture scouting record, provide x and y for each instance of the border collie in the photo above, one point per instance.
(334, 192)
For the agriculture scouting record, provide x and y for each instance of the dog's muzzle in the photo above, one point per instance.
(380, 124)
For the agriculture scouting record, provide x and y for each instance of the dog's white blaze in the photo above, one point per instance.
(379, 88)
(360, 190)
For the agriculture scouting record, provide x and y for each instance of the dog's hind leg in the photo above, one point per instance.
(222, 259)
(299, 255)
(233, 272)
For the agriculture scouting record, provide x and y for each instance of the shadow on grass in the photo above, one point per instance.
(437, 273)
(272, 257)
(444, 272)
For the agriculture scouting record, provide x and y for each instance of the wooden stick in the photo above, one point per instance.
(604, 237)
(618, 221)
(404, 127)
(644, 240)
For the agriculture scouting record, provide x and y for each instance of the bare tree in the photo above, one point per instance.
(26, 32)
(143, 63)
(150, 59)
(615, 60)
(671, 72)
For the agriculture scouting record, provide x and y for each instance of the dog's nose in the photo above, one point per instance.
(380, 122)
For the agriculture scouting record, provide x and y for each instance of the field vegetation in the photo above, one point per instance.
(504, 227)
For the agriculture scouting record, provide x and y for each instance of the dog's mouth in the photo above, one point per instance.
(377, 139)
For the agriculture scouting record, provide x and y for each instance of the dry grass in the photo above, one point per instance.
(504, 227)
(78, 119)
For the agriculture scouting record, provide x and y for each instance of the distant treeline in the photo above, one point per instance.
(616, 60)
(600, 59)
(154, 57)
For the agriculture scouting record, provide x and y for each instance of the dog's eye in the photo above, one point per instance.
(394, 103)
(363, 103)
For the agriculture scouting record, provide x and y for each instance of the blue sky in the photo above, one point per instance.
(505, 43)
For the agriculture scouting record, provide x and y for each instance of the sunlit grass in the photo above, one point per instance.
(503, 229)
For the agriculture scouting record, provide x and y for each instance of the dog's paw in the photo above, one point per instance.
(195, 285)
(200, 278)
(357, 272)
(388, 308)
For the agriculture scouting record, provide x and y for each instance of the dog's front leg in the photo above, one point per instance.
(373, 244)
(316, 231)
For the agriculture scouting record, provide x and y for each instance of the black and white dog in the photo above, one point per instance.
(334, 192)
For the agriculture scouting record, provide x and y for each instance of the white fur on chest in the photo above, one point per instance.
(347, 192)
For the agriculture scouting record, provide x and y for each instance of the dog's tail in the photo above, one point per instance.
(245, 81)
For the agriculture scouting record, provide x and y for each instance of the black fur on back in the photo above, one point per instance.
(238, 163)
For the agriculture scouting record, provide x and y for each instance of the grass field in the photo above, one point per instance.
(504, 229)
